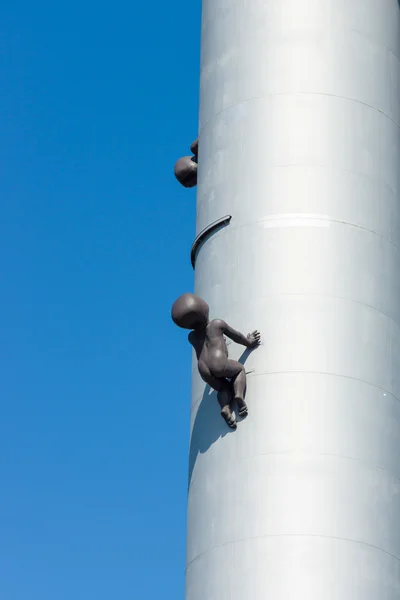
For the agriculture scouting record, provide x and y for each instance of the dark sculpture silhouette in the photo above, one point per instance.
(226, 376)
(186, 167)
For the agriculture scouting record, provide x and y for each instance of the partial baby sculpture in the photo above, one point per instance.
(226, 376)
(186, 167)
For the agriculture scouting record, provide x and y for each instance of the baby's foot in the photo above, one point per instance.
(242, 407)
(229, 417)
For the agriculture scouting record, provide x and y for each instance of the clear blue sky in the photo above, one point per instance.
(97, 103)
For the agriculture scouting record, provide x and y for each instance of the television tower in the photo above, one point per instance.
(299, 214)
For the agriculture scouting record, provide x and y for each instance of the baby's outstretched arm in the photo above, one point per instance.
(250, 341)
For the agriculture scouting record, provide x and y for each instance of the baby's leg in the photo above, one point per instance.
(225, 398)
(237, 373)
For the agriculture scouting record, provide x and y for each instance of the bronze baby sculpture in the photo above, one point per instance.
(226, 376)
(186, 167)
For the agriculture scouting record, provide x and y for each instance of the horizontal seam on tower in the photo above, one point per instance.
(308, 535)
(311, 453)
(349, 224)
(255, 374)
(363, 34)
(325, 94)
(252, 374)
(340, 169)
(299, 216)
(332, 455)
(319, 295)
(364, 462)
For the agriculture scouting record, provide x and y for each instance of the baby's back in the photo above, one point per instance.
(215, 336)
(209, 343)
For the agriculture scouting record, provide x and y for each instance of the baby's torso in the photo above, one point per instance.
(209, 343)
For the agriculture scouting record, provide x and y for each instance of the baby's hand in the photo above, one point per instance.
(254, 339)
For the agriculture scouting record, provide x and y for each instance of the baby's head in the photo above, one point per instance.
(190, 312)
(186, 167)
(186, 171)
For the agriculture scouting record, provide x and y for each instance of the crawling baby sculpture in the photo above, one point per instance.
(226, 376)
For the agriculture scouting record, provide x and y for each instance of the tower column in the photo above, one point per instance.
(299, 142)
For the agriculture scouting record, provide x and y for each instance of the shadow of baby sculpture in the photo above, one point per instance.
(226, 376)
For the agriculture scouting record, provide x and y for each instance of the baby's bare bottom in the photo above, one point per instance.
(225, 394)
(235, 371)
(217, 377)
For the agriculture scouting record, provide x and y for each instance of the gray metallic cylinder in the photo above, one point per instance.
(300, 143)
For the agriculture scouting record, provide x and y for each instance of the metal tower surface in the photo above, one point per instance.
(299, 143)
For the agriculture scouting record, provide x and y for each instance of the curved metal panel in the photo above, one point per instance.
(203, 235)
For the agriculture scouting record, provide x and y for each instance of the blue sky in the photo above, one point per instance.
(97, 103)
